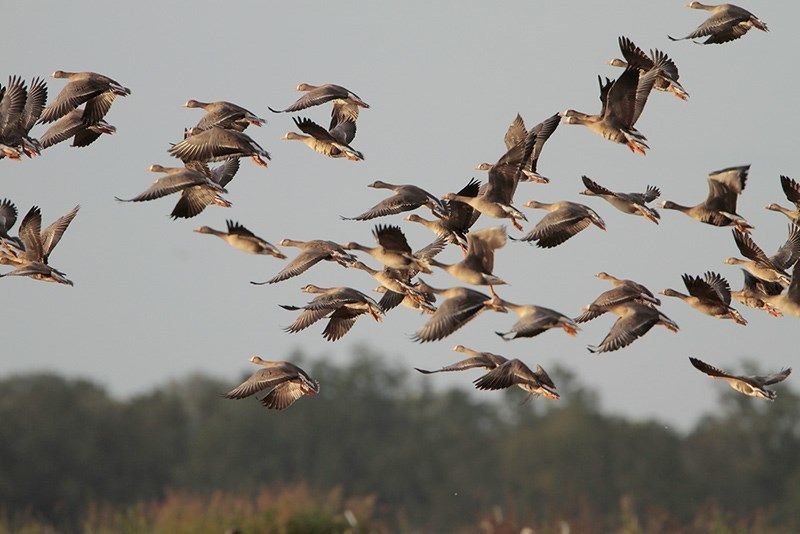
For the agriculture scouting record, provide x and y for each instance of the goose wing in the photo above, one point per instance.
(304, 261)
(283, 395)
(52, 234)
(262, 379)
(787, 255)
(451, 315)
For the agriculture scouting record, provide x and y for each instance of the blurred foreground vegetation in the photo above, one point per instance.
(377, 451)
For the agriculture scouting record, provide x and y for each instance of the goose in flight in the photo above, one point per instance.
(750, 385)
(284, 382)
(727, 22)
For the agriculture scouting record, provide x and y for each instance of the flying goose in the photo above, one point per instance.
(243, 239)
(710, 295)
(517, 134)
(328, 143)
(217, 144)
(719, 207)
(311, 253)
(94, 90)
(792, 191)
(634, 321)
(620, 294)
(565, 220)
(752, 386)
(345, 102)
(533, 320)
(753, 292)
(341, 305)
(768, 269)
(458, 219)
(33, 259)
(406, 197)
(619, 282)
(285, 383)
(633, 203)
(787, 302)
(224, 115)
(476, 360)
(477, 266)
(623, 101)
(496, 197)
(515, 373)
(390, 300)
(393, 249)
(460, 306)
(726, 23)
(666, 81)
(12, 106)
(198, 189)
(398, 284)
(20, 108)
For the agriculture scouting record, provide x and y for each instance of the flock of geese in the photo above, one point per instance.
(219, 136)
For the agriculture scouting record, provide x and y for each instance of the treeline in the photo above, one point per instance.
(430, 459)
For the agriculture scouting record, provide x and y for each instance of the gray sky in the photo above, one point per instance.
(154, 301)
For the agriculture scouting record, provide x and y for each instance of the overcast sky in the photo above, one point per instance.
(154, 301)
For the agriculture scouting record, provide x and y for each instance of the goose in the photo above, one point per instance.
(517, 134)
(753, 292)
(406, 197)
(477, 266)
(619, 295)
(460, 306)
(634, 321)
(495, 199)
(398, 284)
(224, 115)
(710, 295)
(565, 220)
(243, 239)
(476, 360)
(345, 102)
(633, 203)
(217, 144)
(458, 219)
(515, 373)
(750, 385)
(342, 306)
(788, 302)
(95, 90)
(395, 282)
(666, 81)
(727, 22)
(12, 105)
(20, 108)
(792, 191)
(768, 269)
(197, 189)
(393, 249)
(311, 253)
(619, 282)
(390, 300)
(719, 207)
(320, 140)
(32, 260)
(284, 382)
(533, 320)
(623, 101)
(73, 125)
